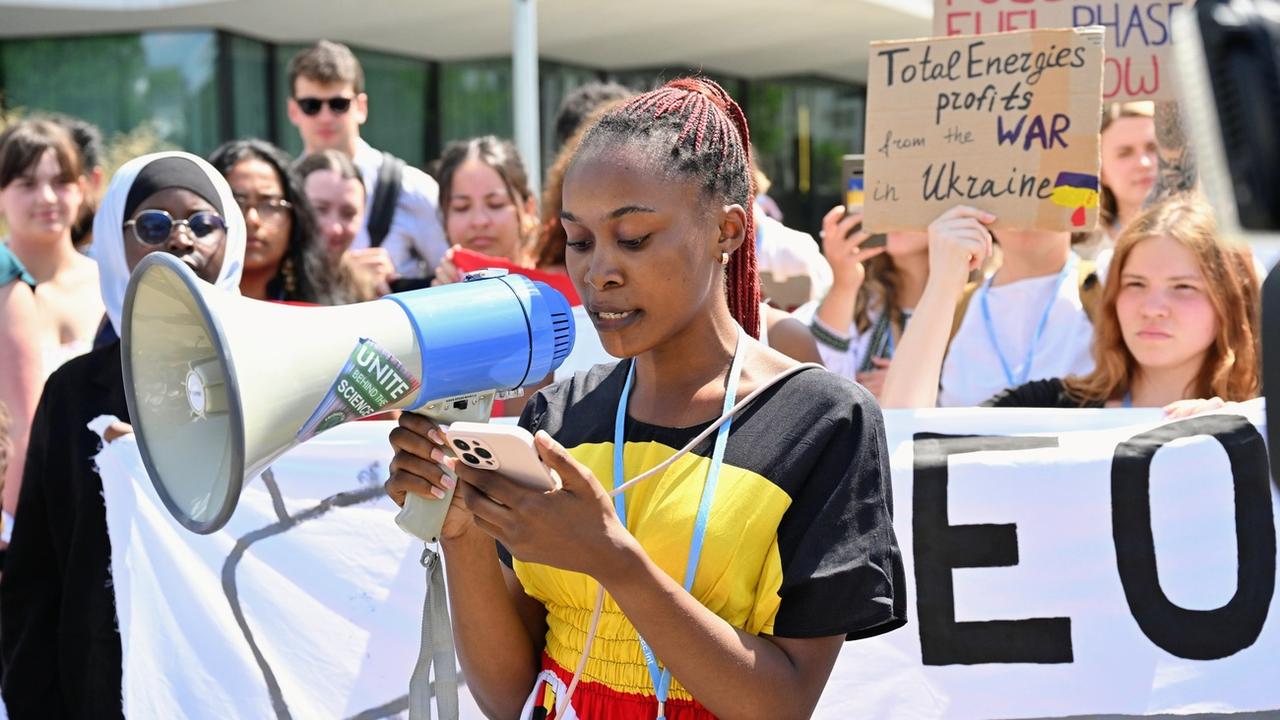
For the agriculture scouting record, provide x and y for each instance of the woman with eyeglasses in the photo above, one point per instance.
(285, 258)
(59, 640)
(41, 192)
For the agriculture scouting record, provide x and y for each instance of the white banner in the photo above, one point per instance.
(1058, 563)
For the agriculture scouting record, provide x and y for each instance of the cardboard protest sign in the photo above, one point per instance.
(1007, 123)
(1139, 51)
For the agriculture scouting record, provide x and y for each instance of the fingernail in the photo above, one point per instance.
(448, 481)
(437, 455)
(437, 492)
(435, 436)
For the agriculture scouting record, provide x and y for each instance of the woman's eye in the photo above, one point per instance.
(637, 242)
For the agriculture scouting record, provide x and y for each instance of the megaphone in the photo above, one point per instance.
(219, 385)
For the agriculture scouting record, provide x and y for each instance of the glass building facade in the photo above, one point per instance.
(194, 89)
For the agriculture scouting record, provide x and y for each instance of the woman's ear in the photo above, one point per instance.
(733, 229)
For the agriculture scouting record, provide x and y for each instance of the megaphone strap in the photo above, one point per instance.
(436, 649)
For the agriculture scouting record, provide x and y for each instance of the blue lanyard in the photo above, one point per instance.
(662, 677)
(1127, 400)
(1035, 340)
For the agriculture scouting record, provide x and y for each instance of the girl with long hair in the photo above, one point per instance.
(486, 203)
(1179, 321)
(284, 259)
(41, 193)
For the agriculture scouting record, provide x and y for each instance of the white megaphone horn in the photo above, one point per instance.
(219, 385)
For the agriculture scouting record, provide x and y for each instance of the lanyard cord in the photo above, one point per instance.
(563, 702)
(661, 677)
(1035, 339)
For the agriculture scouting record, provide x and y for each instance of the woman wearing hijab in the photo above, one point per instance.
(58, 632)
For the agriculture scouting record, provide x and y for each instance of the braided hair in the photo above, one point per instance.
(696, 129)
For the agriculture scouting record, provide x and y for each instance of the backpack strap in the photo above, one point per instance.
(384, 198)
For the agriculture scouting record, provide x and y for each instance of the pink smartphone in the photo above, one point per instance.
(505, 449)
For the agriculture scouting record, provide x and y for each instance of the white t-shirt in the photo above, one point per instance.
(416, 221)
(972, 371)
(785, 253)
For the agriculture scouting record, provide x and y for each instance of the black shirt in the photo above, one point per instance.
(1050, 393)
(58, 632)
(799, 542)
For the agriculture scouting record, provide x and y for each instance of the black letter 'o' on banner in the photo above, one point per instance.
(1196, 634)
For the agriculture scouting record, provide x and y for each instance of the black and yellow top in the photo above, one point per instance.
(799, 544)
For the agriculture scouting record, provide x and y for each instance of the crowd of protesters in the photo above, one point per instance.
(1155, 309)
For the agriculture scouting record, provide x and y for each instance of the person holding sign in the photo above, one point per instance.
(1024, 322)
(791, 496)
(58, 635)
(1178, 326)
(860, 322)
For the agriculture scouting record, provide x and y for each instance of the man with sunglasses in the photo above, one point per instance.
(328, 105)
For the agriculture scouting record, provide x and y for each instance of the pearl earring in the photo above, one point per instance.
(724, 258)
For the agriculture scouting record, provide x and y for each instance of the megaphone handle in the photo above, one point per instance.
(424, 517)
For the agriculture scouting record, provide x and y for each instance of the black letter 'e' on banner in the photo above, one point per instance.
(941, 547)
(1196, 634)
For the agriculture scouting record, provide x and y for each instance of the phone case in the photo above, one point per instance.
(505, 449)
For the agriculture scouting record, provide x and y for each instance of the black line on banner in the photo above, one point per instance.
(941, 547)
(339, 500)
(1196, 634)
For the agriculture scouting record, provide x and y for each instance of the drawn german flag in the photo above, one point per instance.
(1076, 190)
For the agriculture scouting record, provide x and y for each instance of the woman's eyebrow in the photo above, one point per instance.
(613, 215)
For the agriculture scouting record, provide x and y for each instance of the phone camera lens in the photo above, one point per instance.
(461, 445)
(483, 453)
(470, 459)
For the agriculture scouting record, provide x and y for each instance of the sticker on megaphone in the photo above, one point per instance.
(371, 381)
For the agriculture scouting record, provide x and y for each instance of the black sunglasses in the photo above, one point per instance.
(153, 227)
(311, 105)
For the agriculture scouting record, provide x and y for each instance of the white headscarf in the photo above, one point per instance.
(109, 239)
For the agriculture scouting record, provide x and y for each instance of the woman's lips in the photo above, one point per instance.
(613, 319)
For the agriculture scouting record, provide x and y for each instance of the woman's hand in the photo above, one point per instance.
(1186, 408)
(873, 379)
(573, 528)
(418, 467)
(959, 242)
(446, 271)
(842, 238)
(375, 266)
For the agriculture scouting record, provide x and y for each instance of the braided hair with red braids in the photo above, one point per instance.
(709, 141)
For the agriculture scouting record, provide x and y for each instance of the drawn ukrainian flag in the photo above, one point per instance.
(1076, 190)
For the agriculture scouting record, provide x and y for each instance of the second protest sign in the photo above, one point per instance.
(1007, 123)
